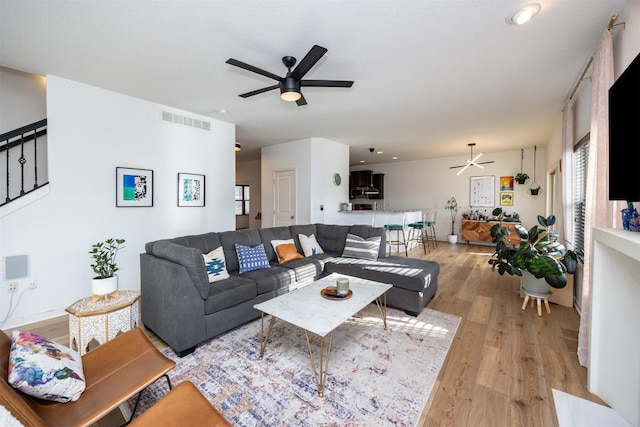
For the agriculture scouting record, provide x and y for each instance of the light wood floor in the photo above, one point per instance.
(504, 361)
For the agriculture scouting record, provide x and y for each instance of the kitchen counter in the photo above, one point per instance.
(380, 218)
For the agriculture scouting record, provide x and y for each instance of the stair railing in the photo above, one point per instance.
(13, 144)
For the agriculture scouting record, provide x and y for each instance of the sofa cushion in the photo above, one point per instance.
(190, 258)
(271, 279)
(310, 245)
(230, 292)
(215, 264)
(358, 247)
(307, 269)
(252, 258)
(332, 237)
(249, 237)
(406, 273)
(45, 369)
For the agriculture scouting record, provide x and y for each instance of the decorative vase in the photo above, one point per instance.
(104, 286)
(453, 238)
(533, 285)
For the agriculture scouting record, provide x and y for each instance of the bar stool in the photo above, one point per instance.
(430, 227)
(417, 233)
(399, 229)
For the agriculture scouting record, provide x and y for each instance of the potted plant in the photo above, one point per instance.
(521, 178)
(536, 254)
(452, 207)
(104, 265)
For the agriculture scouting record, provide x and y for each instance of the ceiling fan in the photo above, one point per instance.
(471, 162)
(290, 84)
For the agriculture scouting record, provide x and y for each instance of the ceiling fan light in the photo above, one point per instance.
(523, 15)
(290, 96)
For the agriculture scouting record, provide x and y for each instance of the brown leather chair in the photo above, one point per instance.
(114, 372)
(183, 406)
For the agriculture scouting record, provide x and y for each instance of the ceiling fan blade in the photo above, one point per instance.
(256, 92)
(456, 167)
(301, 101)
(484, 163)
(326, 83)
(308, 61)
(251, 68)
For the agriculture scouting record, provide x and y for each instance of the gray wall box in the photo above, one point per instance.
(16, 266)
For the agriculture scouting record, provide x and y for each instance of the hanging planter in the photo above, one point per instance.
(522, 177)
(534, 188)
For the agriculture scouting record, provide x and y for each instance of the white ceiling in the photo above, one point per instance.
(430, 76)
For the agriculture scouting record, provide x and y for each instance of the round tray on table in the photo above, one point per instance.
(333, 289)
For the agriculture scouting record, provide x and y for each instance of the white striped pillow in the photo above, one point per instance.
(357, 247)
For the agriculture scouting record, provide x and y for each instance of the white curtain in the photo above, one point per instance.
(568, 207)
(599, 211)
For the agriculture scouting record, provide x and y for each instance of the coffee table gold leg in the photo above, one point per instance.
(265, 340)
(320, 377)
(382, 307)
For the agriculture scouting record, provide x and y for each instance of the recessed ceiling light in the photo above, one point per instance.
(378, 152)
(394, 158)
(361, 161)
(524, 14)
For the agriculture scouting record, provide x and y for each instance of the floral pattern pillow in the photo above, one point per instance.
(45, 369)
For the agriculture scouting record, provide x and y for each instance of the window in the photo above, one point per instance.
(242, 200)
(580, 161)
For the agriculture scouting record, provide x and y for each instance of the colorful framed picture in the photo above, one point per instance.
(506, 198)
(134, 187)
(506, 183)
(190, 189)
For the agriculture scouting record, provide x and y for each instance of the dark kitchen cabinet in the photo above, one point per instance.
(360, 178)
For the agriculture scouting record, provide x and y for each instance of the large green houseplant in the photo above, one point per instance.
(104, 265)
(537, 254)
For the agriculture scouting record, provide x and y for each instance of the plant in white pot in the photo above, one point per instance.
(544, 259)
(104, 265)
(452, 206)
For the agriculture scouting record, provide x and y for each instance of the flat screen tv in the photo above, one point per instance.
(624, 135)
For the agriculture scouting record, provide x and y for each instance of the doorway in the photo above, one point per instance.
(284, 203)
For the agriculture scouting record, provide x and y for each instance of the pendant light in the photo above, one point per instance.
(534, 188)
(371, 190)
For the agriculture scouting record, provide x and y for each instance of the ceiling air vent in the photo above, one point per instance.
(167, 116)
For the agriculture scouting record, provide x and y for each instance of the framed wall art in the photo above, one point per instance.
(482, 191)
(191, 189)
(506, 198)
(134, 187)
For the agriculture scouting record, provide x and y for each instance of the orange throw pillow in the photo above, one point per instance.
(287, 252)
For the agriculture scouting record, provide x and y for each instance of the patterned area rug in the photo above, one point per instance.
(375, 376)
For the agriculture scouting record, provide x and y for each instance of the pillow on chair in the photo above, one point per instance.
(250, 259)
(285, 250)
(44, 369)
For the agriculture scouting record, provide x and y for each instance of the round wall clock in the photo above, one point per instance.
(336, 179)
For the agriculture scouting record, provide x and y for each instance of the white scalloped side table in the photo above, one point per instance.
(101, 320)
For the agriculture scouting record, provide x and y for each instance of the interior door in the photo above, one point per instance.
(285, 197)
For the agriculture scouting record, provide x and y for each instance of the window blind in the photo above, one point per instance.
(580, 162)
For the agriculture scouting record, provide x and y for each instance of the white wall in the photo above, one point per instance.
(314, 160)
(430, 183)
(91, 132)
(22, 99)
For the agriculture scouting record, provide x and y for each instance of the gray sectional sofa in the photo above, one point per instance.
(180, 305)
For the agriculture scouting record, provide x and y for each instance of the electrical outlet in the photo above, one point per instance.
(12, 287)
(33, 284)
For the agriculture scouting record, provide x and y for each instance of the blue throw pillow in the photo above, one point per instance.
(250, 259)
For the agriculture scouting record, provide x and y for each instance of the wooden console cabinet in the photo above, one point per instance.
(480, 231)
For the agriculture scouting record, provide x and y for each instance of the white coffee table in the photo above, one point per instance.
(308, 309)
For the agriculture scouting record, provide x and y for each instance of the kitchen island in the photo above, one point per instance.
(380, 218)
